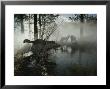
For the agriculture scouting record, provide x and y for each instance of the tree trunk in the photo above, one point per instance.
(29, 27)
(43, 29)
(81, 30)
(29, 24)
(35, 27)
(81, 26)
(22, 25)
(40, 32)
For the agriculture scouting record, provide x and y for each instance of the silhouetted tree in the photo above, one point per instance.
(83, 18)
(19, 18)
(35, 27)
(46, 25)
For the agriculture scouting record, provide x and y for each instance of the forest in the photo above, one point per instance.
(55, 44)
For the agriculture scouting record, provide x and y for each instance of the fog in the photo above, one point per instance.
(69, 28)
(66, 27)
(79, 58)
(63, 29)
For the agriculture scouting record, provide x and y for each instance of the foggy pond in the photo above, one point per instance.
(63, 46)
(78, 63)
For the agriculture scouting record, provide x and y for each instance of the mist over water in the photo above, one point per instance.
(69, 28)
(64, 28)
(78, 61)
(81, 62)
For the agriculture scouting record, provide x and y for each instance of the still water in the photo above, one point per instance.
(77, 63)
(67, 62)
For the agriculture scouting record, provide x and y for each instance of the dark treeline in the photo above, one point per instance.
(44, 26)
(41, 22)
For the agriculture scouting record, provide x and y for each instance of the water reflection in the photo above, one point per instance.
(75, 62)
(65, 60)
